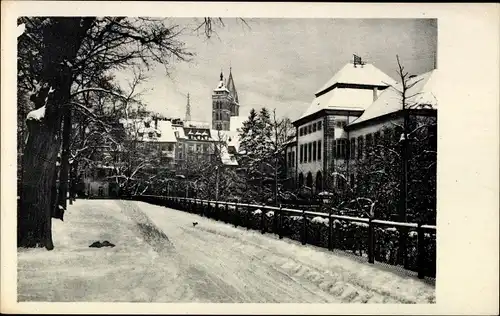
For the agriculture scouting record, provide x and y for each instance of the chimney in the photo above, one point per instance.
(375, 93)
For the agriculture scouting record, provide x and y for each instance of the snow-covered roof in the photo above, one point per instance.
(330, 96)
(162, 132)
(196, 124)
(232, 138)
(180, 131)
(166, 132)
(341, 99)
(366, 74)
(226, 158)
(421, 96)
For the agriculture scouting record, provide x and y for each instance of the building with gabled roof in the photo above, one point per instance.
(358, 100)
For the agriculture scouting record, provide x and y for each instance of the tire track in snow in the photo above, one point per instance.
(251, 272)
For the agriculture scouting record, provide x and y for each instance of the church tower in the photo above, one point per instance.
(225, 103)
(221, 106)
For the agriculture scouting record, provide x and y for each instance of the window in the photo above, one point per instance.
(305, 153)
(301, 180)
(309, 129)
(319, 149)
(341, 123)
(376, 138)
(360, 147)
(352, 179)
(353, 148)
(309, 148)
(301, 153)
(314, 150)
(341, 148)
(319, 125)
(369, 141)
(293, 158)
(314, 127)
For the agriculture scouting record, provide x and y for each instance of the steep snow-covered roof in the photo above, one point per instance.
(180, 131)
(421, 96)
(231, 87)
(166, 132)
(341, 99)
(366, 74)
(331, 96)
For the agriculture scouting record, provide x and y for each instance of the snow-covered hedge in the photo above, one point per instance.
(347, 236)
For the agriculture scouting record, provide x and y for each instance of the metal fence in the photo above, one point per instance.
(377, 240)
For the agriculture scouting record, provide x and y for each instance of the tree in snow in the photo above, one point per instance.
(262, 169)
(63, 58)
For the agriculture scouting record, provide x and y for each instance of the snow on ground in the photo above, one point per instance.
(161, 257)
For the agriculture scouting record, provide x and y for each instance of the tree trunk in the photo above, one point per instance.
(64, 175)
(403, 199)
(62, 37)
(34, 217)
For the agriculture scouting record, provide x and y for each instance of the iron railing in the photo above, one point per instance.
(368, 237)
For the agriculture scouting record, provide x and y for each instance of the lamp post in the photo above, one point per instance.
(216, 183)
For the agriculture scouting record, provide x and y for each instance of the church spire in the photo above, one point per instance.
(231, 87)
(188, 109)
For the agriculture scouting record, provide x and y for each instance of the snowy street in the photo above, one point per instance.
(160, 256)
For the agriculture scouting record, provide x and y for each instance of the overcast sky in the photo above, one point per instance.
(281, 63)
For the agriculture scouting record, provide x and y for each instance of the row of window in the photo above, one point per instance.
(310, 152)
(220, 105)
(355, 148)
(311, 128)
(221, 116)
(291, 159)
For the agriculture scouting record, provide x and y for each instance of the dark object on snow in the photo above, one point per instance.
(98, 244)
(107, 244)
(195, 223)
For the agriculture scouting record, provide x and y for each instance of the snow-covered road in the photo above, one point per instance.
(160, 257)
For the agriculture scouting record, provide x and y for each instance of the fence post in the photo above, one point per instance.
(421, 251)
(371, 241)
(275, 221)
(280, 223)
(247, 217)
(236, 215)
(226, 214)
(216, 211)
(263, 220)
(304, 227)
